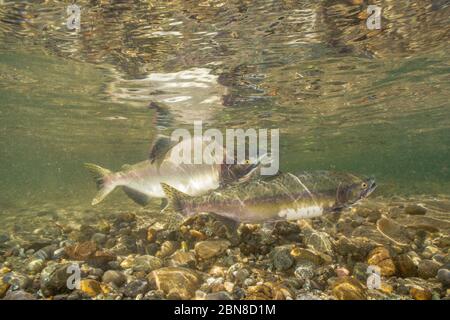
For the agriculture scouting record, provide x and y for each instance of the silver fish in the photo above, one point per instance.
(142, 181)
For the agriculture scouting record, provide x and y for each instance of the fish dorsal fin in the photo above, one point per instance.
(175, 198)
(160, 148)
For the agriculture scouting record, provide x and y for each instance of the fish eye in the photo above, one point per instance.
(363, 185)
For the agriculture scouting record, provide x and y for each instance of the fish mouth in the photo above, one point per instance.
(370, 189)
(262, 161)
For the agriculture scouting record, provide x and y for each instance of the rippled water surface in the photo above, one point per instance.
(344, 97)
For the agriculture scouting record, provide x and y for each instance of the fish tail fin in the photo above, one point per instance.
(104, 186)
(175, 198)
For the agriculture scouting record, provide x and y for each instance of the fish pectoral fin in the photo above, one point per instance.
(254, 170)
(161, 146)
(138, 197)
(337, 208)
(252, 174)
(174, 221)
(164, 204)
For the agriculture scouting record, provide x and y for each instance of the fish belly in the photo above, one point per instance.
(301, 212)
(190, 179)
(151, 188)
(276, 212)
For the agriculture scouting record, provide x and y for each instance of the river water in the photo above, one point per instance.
(346, 98)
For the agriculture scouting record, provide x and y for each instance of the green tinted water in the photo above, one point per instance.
(344, 97)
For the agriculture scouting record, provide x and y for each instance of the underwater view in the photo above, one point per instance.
(338, 187)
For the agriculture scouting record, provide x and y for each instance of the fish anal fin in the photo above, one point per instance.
(164, 204)
(138, 197)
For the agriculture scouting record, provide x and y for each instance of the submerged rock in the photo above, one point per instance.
(4, 238)
(355, 247)
(304, 272)
(99, 238)
(17, 280)
(81, 251)
(36, 266)
(259, 292)
(284, 263)
(381, 257)
(360, 271)
(154, 295)
(146, 263)
(182, 259)
(90, 287)
(406, 264)
(4, 286)
(220, 295)
(419, 293)
(348, 288)
(414, 209)
(128, 262)
(393, 231)
(135, 288)
(342, 272)
(268, 291)
(19, 295)
(54, 279)
(302, 255)
(281, 257)
(428, 269)
(100, 259)
(429, 252)
(45, 253)
(167, 248)
(443, 276)
(176, 281)
(114, 277)
(426, 223)
(211, 248)
(316, 240)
